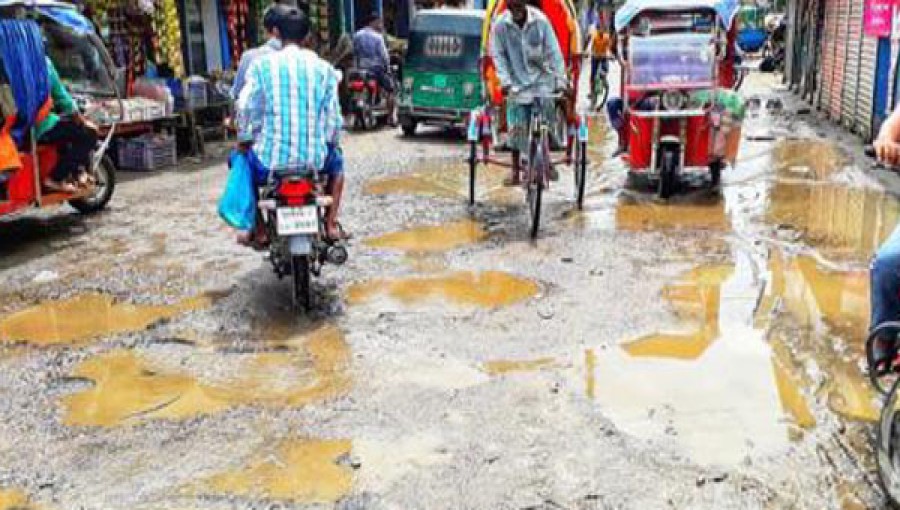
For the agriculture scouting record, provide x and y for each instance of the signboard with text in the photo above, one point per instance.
(878, 18)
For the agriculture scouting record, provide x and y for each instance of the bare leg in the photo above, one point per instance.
(335, 189)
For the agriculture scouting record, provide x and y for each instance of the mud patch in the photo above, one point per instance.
(503, 367)
(129, 388)
(489, 289)
(302, 471)
(432, 239)
(87, 317)
(14, 499)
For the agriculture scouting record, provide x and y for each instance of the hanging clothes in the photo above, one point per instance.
(24, 56)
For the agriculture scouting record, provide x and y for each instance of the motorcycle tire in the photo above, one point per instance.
(106, 184)
(300, 277)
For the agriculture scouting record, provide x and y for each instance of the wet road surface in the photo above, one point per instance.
(701, 353)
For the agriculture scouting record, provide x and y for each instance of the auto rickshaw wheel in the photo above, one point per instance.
(715, 173)
(106, 184)
(668, 173)
(408, 126)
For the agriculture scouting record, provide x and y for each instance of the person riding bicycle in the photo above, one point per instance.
(599, 41)
(885, 269)
(371, 55)
(529, 62)
(289, 111)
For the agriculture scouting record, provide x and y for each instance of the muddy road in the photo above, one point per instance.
(703, 353)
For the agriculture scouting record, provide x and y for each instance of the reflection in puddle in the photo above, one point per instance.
(501, 367)
(14, 499)
(638, 215)
(304, 471)
(445, 179)
(129, 388)
(840, 220)
(432, 239)
(809, 159)
(86, 317)
(487, 289)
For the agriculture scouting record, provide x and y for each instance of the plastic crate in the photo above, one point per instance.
(148, 152)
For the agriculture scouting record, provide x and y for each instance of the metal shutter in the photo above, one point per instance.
(840, 59)
(852, 64)
(865, 106)
(826, 75)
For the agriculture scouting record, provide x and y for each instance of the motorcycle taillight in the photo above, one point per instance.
(373, 84)
(296, 191)
(357, 85)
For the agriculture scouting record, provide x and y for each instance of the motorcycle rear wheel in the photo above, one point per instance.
(300, 277)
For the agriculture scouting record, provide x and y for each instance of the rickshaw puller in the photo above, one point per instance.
(298, 123)
(528, 58)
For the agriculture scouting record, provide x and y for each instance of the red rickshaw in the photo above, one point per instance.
(678, 69)
(487, 125)
(25, 164)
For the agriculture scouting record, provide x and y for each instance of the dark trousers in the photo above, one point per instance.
(75, 143)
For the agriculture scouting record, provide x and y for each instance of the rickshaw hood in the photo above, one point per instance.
(726, 10)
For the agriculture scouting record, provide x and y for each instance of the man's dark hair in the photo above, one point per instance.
(293, 25)
(372, 18)
(273, 13)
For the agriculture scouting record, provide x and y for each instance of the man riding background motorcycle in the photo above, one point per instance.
(289, 113)
(371, 55)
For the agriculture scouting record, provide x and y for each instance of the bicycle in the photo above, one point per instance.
(599, 91)
(540, 162)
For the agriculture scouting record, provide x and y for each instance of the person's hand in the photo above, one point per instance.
(505, 90)
(244, 147)
(887, 150)
(90, 125)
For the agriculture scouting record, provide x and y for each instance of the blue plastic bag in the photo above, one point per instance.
(238, 203)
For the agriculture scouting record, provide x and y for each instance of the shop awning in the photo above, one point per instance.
(68, 17)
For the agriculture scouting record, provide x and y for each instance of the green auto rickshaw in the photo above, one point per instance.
(441, 80)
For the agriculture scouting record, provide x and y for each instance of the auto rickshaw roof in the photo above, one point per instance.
(456, 21)
(726, 10)
(65, 14)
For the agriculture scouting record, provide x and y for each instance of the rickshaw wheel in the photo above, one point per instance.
(473, 164)
(667, 174)
(580, 173)
(887, 447)
(106, 184)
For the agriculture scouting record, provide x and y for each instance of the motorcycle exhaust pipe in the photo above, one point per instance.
(336, 255)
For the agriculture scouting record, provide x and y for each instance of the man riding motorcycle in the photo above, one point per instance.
(290, 113)
(371, 55)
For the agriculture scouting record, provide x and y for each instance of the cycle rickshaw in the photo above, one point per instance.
(566, 133)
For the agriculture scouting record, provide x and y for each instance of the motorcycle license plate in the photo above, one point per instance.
(298, 220)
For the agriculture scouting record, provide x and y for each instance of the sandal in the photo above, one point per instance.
(61, 187)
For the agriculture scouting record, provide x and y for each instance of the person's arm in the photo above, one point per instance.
(385, 57)
(887, 145)
(62, 101)
(240, 76)
(331, 111)
(500, 56)
(250, 105)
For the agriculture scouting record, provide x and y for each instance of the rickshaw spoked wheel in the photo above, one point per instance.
(106, 184)
(473, 164)
(580, 173)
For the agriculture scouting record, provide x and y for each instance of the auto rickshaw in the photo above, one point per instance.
(676, 88)
(29, 32)
(441, 81)
(752, 33)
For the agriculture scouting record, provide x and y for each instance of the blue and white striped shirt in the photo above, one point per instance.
(291, 103)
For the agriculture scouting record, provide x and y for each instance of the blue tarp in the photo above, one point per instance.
(725, 9)
(25, 64)
(68, 17)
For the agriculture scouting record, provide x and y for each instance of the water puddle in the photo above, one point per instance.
(15, 499)
(131, 388)
(445, 179)
(807, 159)
(841, 221)
(487, 289)
(432, 239)
(88, 316)
(503, 367)
(302, 471)
(642, 214)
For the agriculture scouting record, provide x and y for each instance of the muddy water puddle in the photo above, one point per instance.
(445, 179)
(129, 387)
(431, 239)
(87, 317)
(810, 159)
(508, 366)
(489, 289)
(15, 499)
(302, 470)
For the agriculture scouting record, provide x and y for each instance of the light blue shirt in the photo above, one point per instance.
(249, 56)
(527, 57)
(290, 109)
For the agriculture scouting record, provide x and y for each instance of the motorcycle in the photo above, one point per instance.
(369, 105)
(293, 210)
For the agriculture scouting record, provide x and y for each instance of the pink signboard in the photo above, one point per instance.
(877, 20)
